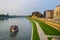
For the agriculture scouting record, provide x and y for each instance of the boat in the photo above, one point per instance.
(14, 29)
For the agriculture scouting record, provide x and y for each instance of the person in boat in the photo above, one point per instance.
(14, 28)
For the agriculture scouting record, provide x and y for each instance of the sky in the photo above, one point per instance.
(26, 7)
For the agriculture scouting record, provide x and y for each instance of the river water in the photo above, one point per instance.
(24, 32)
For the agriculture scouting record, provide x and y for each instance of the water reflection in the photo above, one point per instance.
(3, 18)
(13, 34)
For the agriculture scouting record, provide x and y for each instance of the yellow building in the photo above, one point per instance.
(57, 13)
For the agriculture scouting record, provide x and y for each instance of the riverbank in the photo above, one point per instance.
(50, 32)
(41, 33)
(35, 35)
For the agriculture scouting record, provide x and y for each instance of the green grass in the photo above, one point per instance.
(35, 33)
(49, 38)
(48, 30)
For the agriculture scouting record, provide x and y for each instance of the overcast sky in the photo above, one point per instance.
(26, 7)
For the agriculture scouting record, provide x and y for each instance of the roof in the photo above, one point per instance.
(58, 6)
(49, 10)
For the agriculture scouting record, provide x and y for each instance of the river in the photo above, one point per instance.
(24, 32)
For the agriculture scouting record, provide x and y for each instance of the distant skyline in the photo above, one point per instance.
(26, 7)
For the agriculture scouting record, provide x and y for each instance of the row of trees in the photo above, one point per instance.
(38, 14)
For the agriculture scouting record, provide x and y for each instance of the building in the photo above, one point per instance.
(49, 14)
(57, 13)
(37, 14)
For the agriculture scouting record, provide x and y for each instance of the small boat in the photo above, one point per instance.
(14, 29)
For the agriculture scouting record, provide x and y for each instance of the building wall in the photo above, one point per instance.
(57, 13)
(49, 14)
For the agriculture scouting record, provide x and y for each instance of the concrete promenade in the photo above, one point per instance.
(41, 34)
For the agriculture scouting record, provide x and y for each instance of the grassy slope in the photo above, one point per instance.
(49, 38)
(48, 30)
(35, 33)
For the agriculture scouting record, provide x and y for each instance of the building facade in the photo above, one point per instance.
(49, 14)
(57, 13)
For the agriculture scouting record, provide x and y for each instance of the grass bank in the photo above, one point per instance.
(49, 38)
(35, 33)
(48, 30)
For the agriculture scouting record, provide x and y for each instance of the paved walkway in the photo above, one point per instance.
(52, 36)
(32, 33)
(42, 36)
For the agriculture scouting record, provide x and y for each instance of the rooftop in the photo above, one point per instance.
(58, 6)
(49, 10)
